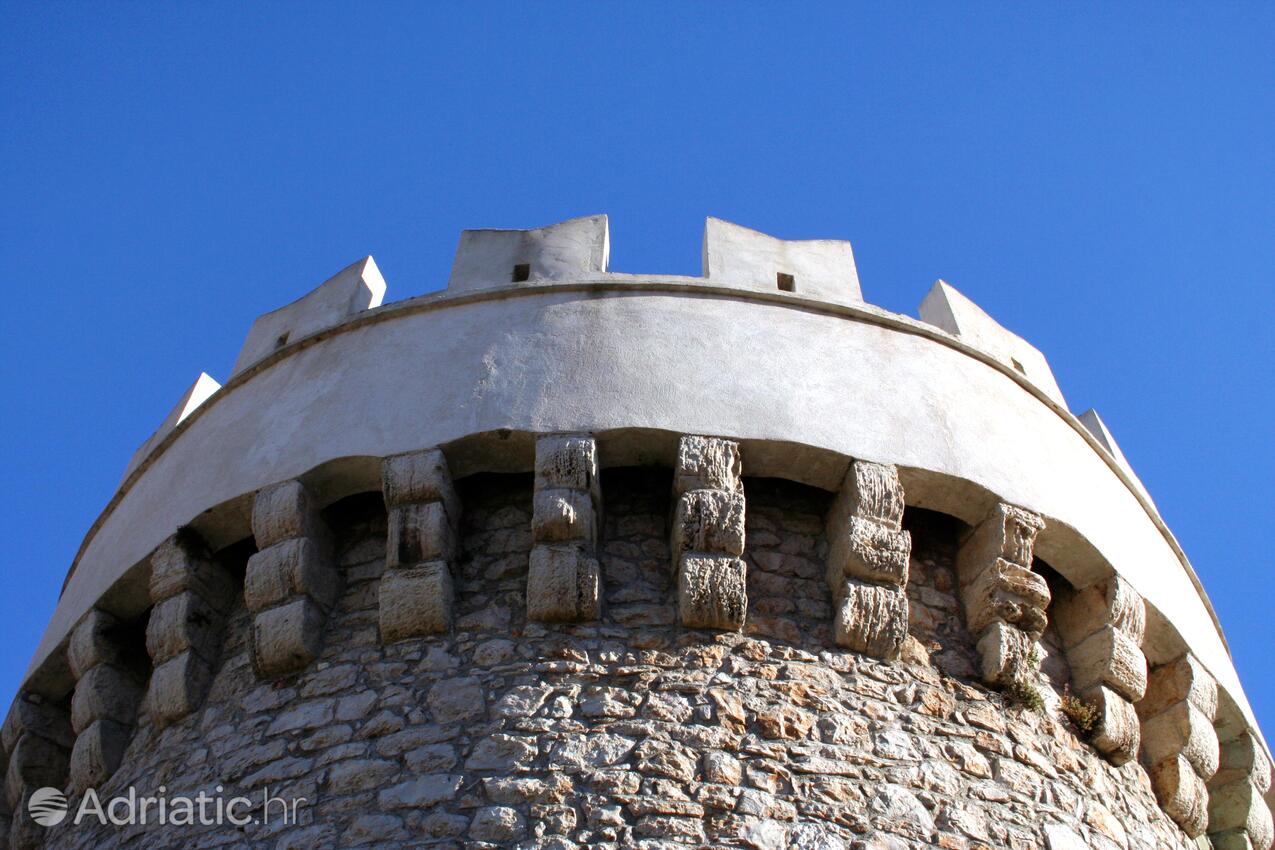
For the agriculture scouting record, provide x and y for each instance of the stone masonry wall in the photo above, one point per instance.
(633, 731)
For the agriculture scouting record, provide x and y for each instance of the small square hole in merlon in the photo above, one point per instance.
(786, 282)
(522, 272)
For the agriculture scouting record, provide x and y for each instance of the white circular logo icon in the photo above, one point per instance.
(47, 806)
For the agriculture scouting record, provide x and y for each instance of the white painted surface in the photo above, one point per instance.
(1091, 420)
(357, 287)
(820, 268)
(580, 247)
(947, 308)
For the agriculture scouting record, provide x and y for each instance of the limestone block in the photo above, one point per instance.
(287, 638)
(181, 564)
(300, 565)
(105, 691)
(711, 591)
(707, 463)
(1183, 679)
(180, 623)
(1111, 602)
(1242, 757)
(98, 751)
(1119, 733)
(419, 532)
(1230, 839)
(1004, 654)
(1109, 657)
(1239, 806)
(560, 515)
(1182, 794)
(1005, 591)
(178, 687)
(567, 462)
(1008, 533)
(710, 521)
(871, 619)
(415, 601)
(1182, 729)
(867, 550)
(93, 642)
(419, 477)
(563, 584)
(35, 762)
(30, 715)
(871, 491)
(283, 511)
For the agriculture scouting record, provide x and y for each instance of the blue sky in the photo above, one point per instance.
(1098, 177)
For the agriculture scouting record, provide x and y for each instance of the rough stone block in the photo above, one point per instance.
(1109, 657)
(567, 462)
(301, 565)
(1008, 533)
(1004, 654)
(712, 591)
(871, 491)
(419, 477)
(1119, 732)
(871, 618)
(709, 521)
(1005, 591)
(181, 564)
(707, 463)
(869, 551)
(419, 532)
(1230, 839)
(1182, 729)
(283, 511)
(184, 622)
(1242, 757)
(561, 515)
(1111, 602)
(178, 688)
(97, 753)
(35, 762)
(563, 584)
(94, 641)
(31, 715)
(105, 691)
(1183, 679)
(287, 638)
(1182, 794)
(1239, 806)
(415, 601)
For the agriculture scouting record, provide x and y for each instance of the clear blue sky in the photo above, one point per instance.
(1100, 179)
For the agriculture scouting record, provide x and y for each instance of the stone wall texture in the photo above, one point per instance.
(634, 730)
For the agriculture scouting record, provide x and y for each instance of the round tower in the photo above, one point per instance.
(564, 558)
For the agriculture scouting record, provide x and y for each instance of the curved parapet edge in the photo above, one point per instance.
(195, 395)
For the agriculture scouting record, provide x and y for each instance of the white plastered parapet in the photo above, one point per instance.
(815, 268)
(570, 250)
(195, 395)
(1092, 421)
(947, 308)
(357, 287)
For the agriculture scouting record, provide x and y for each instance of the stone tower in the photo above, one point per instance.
(564, 558)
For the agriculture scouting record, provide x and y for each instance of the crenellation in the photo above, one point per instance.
(868, 554)
(707, 535)
(292, 582)
(416, 592)
(563, 575)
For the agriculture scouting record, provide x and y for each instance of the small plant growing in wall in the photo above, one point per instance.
(1022, 690)
(1083, 715)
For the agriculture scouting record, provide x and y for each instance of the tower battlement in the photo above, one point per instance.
(737, 558)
